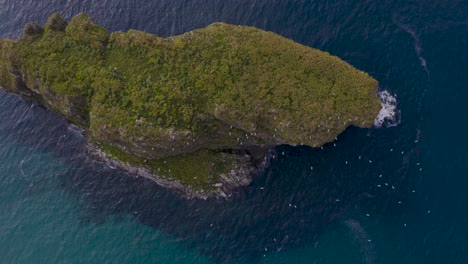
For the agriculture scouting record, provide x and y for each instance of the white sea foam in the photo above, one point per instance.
(389, 115)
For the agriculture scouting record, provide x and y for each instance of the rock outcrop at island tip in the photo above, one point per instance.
(196, 111)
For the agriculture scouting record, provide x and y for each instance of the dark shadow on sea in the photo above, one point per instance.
(289, 204)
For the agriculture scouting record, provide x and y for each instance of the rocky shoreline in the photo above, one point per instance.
(224, 189)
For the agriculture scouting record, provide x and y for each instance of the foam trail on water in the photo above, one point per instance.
(389, 115)
(362, 239)
(417, 44)
(21, 168)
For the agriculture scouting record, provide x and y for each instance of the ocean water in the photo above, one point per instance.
(395, 193)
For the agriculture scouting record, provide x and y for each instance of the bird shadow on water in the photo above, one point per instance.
(289, 204)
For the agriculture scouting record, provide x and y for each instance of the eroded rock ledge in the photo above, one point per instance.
(196, 112)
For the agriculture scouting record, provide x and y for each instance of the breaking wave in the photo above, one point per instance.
(389, 115)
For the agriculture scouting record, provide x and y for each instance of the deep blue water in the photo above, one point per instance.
(380, 195)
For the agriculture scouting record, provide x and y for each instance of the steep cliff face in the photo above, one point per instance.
(200, 109)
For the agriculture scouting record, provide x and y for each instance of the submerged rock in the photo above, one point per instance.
(197, 112)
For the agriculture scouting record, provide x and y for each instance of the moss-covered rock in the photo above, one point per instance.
(200, 109)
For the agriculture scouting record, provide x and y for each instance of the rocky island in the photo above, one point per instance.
(196, 112)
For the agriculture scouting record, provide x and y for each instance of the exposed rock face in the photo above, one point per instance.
(199, 110)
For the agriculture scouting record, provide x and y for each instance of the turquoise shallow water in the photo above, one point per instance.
(382, 195)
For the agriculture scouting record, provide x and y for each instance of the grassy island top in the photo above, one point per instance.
(223, 88)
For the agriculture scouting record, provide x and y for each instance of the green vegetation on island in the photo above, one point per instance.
(200, 109)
